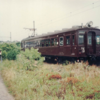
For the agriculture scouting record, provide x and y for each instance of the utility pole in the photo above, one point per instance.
(10, 36)
(32, 29)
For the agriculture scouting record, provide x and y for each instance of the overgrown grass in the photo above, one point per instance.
(77, 81)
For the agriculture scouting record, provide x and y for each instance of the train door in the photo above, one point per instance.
(67, 46)
(61, 45)
(98, 43)
(73, 45)
(91, 43)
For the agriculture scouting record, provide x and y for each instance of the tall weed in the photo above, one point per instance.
(72, 82)
(30, 59)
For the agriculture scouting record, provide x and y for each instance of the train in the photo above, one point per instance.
(75, 44)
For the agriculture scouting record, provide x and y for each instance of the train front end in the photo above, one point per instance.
(89, 43)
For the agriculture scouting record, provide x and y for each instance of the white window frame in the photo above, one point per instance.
(59, 40)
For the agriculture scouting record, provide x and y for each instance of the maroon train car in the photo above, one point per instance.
(75, 43)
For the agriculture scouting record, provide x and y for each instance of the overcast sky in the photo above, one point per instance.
(49, 15)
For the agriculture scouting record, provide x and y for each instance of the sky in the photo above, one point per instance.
(49, 15)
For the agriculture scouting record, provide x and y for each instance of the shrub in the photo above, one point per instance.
(32, 54)
(9, 51)
(97, 95)
(30, 58)
(12, 54)
(4, 54)
(7, 47)
(18, 44)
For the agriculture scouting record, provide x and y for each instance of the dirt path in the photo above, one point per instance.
(4, 95)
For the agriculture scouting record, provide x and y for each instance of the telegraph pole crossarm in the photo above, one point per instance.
(32, 29)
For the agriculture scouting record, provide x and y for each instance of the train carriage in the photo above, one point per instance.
(75, 43)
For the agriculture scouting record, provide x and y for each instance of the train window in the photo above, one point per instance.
(73, 40)
(61, 40)
(89, 39)
(41, 43)
(38, 44)
(33, 43)
(81, 39)
(68, 40)
(27, 44)
(48, 42)
(52, 42)
(98, 39)
(44, 42)
(55, 42)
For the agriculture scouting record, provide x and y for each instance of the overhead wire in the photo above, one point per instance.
(4, 37)
(71, 13)
(68, 16)
(76, 10)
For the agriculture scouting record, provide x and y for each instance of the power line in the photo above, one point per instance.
(69, 12)
(71, 15)
(4, 37)
(77, 9)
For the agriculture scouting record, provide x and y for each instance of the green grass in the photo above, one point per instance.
(78, 81)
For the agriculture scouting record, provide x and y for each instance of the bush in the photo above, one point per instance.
(18, 44)
(4, 54)
(9, 51)
(32, 54)
(7, 47)
(30, 58)
(12, 54)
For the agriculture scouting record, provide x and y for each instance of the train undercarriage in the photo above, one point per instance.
(56, 59)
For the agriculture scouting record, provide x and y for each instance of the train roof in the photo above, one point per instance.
(59, 31)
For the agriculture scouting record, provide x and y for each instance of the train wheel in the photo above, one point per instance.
(92, 60)
(59, 60)
(98, 61)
